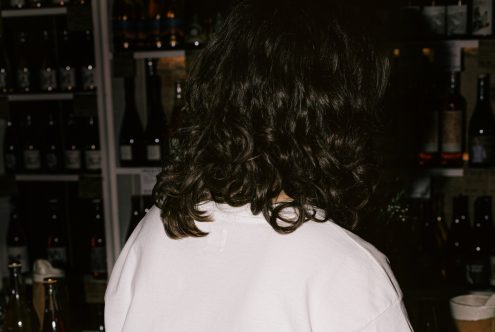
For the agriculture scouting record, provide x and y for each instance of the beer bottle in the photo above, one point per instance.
(17, 250)
(52, 151)
(56, 246)
(155, 135)
(47, 71)
(131, 130)
(24, 73)
(458, 242)
(97, 243)
(52, 318)
(11, 148)
(5, 69)
(72, 148)
(19, 315)
(66, 70)
(92, 150)
(31, 149)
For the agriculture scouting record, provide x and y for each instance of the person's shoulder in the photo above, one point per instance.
(149, 228)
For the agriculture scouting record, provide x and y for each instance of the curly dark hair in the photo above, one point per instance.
(280, 101)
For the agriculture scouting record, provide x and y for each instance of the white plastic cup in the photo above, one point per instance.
(471, 315)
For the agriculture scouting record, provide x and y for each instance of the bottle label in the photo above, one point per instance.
(492, 268)
(72, 159)
(88, 77)
(98, 260)
(10, 161)
(32, 159)
(478, 272)
(3, 79)
(457, 19)
(17, 3)
(19, 254)
(57, 256)
(67, 78)
(48, 79)
(153, 153)
(452, 131)
(434, 17)
(431, 137)
(24, 78)
(92, 159)
(126, 152)
(481, 150)
(482, 17)
(52, 161)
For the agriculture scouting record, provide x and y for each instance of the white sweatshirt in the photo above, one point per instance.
(245, 277)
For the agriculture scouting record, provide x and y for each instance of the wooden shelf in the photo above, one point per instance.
(29, 12)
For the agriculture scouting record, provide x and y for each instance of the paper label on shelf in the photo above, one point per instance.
(72, 159)
(153, 152)
(23, 78)
(32, 159)
(48, 79)
(148, 180)
(482, 17)
(19, 254)
(451, 131)
(92, 159)
(457, 19)
(126, 152)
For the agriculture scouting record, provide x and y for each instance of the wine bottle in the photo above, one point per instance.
(19, 315)
(97, 243)
(47, 70)
(11, 148)
(458, 241)
(173, 32)
(131, 131)
(66, 69)
(24, 72)
(481, 134)
(52, 150)
(72, 148)
(452, 125)
(31, 149)
(124, 29)
(457, 18)
(17, 4)
(478, 267)
(17, 250)
(176, 121)
(5, 69)
(92, 150)
(155, 135)
(87, 63)
(56, 244)
(53, 320)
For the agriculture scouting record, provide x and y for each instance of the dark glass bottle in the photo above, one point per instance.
(56, 244)
(457, 18)
(47, 70)
(11, 148)
(176, 121)
(52, 150)
(452, 124)
(19, 315)
(72, 148)
(16, 4)
(155, 135)
(481, 134)
(31, 147)
(6, 85)
(91, 146)
(478, 267)
(87, 63)
(141, 24)
(97, 243)
(17, 250)
(458, 242)
(155, 11)
(173, 31)
(124, 29)
(24, 71)
(53, 320)
(36, 3)
(136, 214)
(66, 68)
(131, 131)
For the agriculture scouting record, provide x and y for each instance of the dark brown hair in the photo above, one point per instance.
(282, 99)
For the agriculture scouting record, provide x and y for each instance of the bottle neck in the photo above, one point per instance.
(51, 299)
(15, 283)
(454, 86)
(483, 89)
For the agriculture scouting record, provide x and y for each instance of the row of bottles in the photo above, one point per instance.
(444, 138)
(460, 18)
(160, 24)
(157, 142)
(42, 145)
(56, 243)
(68, 69)
(21, 4)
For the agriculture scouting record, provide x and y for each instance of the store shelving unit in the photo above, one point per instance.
(30, 12)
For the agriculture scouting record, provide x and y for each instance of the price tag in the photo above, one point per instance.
(148, 180)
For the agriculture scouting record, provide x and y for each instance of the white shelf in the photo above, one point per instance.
(446, 172)
(47, 177)
(29, 12)
(39, 96)
(159, 54)
(137, 170)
